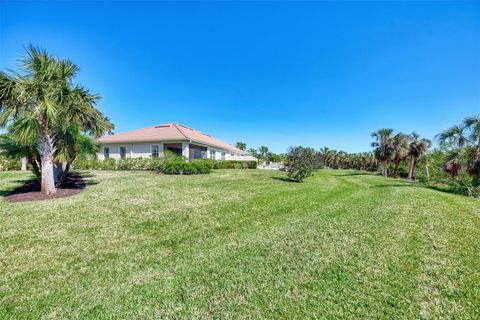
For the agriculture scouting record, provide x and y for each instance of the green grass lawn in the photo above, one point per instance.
(240, 244)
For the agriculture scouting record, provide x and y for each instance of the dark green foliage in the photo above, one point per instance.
(194, 167)
(10, 163)
(300, 163)
(234, 164)
(168, 165)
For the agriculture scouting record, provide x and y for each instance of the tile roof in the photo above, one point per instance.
(170, 131)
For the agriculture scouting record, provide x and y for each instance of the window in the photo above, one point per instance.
(106, 152)
(123, 152)
(196, 152)
(212, 154)
(173, 147)
(223, 155)
(155, 151)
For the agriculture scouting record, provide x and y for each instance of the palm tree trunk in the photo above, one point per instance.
(33, 161)
(427, 172)
(412, 167)
(385, 169)
(46, 150)
(68, 164)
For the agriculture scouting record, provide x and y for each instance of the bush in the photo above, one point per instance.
(300, 163)
(464, 187)
(235, 164)
(178, 166)
(10, 164)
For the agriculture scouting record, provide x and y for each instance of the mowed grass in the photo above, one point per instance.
(240, 244)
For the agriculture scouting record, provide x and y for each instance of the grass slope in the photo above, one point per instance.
(240, 244)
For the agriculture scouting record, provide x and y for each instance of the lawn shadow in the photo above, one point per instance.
(283, 179)
(416, 185)
(30, 189)
(355, 174)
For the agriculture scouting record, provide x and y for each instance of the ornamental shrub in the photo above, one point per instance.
(300, 163)
(10, 163)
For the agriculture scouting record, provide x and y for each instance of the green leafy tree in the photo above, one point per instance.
(44, 110)
(87, 147)
(300, 163)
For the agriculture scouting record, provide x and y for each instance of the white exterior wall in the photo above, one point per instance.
(218, 153)
(144, 150)
(134, 150)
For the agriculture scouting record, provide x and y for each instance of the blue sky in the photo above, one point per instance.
(275, 74)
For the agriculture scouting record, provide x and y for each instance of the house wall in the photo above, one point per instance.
(143, 150)
(134, 150)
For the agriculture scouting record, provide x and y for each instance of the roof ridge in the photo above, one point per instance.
(179, 130)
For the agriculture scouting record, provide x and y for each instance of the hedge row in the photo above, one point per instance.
(167, 165)
(10, 164)
(235, 164)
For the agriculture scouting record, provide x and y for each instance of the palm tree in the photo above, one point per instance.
(383, 145)
(400, 150)
(241, 145)
(44, 109)
(262, 153)
(465, 137)
(416, 148)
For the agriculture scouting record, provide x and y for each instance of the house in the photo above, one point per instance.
(180, 139)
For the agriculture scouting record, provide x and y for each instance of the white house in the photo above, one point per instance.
(180, 139)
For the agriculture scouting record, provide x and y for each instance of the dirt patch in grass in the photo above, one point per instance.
(30, 191)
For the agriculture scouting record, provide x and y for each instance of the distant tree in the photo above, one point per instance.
(241, 145)
(416, 148)
(466, 139)
(262, 153)
(384, 149)
(300, 163)
(87, 147)
(253, 152)
(400, 150)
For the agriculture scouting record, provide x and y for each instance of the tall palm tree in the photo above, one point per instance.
(44, 109)
(465, 137)
(383, 145)
(417, 147)
(400, 150)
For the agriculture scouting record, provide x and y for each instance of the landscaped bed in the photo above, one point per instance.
(30, 190)
(240, 244)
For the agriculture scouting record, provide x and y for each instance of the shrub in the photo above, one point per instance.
(180, 166)
(10, 164)
(464, 187)
(300, 163)
(235, 164)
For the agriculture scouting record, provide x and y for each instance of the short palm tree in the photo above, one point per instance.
(465, 137)
(44, 109)
(416, 148)
(384, 149)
